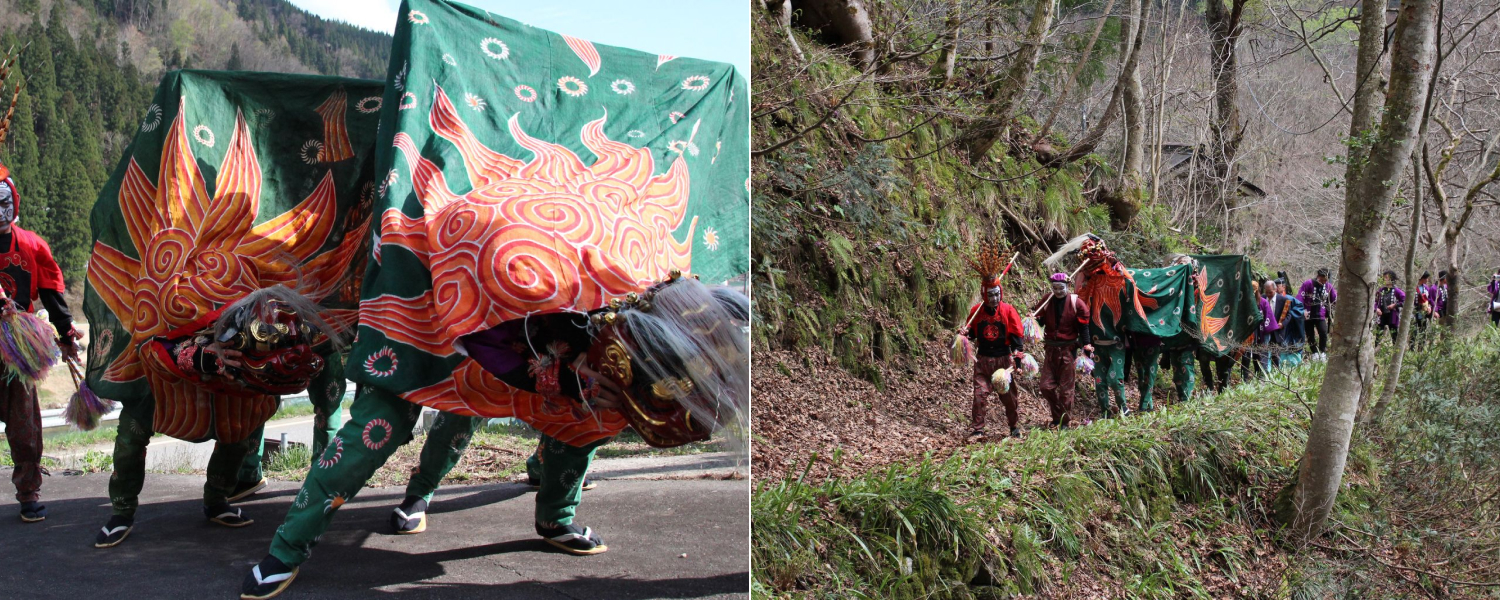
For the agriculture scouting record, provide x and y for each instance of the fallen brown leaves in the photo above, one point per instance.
(804, 403)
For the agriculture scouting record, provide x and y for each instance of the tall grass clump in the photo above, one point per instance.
(995, 520)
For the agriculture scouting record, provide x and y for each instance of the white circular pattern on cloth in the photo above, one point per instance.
(264, 116)
(369, 427)
(622, 87)
(711, 239)
(488, 43)
(301, 501)
(400, 80)
(695, 83)
(152, 120)
(408, 101)
(572, 86)
(475, 102)
(635, 133)
(417, 17)
(675, 117)
(365, 107)
(333, 453)
(448, 58)
(526, 93)
(199, 134)
(311, 150)
(374, 359)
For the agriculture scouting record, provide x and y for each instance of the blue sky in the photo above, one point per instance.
(708, 29)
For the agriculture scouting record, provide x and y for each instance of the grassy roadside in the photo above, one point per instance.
(1175, 504)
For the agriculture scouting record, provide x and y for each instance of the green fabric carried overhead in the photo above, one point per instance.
(1167, 297)
(234, 182)
(525, 172)
(1231, 315)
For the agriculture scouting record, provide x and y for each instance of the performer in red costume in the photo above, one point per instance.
(28, 273)
(995, 330)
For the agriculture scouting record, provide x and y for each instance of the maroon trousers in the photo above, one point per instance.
(984, 367)
(23, 430)
(1057, 382)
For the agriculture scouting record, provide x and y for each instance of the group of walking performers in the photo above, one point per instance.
(500, 229)
(1198, 312)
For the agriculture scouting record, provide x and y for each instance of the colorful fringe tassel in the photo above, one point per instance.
(962, 351)
(1031, 329)
(85, 409)
(1029, 365)
(1085, 365)
(1001, 380)
(28, 345)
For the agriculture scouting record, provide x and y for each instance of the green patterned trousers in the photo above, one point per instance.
(130, 462)
(445, 445)
(379, 423)
(326, 392)
(1146, 363)
(1109, 376)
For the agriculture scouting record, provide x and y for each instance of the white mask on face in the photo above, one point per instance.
(1059, 288)
(7, 204)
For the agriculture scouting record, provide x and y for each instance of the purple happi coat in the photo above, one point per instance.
(1318, 298)
(1387, 296)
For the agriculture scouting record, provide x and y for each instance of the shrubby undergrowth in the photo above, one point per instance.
(1174, 504)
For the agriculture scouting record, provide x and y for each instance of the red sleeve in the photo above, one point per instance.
(1081, 309)
(1011, 319)
(45, 272)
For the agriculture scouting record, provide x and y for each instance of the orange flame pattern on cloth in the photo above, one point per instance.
(200, 252)
(336, 146)
(533, 237)
(1210, 326)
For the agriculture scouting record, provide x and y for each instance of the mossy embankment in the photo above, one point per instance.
(1180, 503)
(864, 224)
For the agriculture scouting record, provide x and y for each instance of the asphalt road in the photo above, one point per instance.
(479, 544)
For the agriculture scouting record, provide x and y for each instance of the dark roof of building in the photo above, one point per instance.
(1175, 156)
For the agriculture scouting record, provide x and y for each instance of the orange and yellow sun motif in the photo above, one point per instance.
(1210, 326)
(539, 237)
(199, 252)
(536, 237)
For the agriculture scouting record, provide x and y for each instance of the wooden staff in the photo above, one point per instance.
(1002, 278)
(1070, 278)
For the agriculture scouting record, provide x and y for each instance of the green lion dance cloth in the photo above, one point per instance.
(526, 173)
(235, 182)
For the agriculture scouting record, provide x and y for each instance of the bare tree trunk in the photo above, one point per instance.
(1226, 131)
(1135, 126)
(783, 14)
(1135, 112)
(1367, 201)
(850, 21)
(1164, 74)
(986, 130)
(1408, 306)
(1367, 85)
(942, 70)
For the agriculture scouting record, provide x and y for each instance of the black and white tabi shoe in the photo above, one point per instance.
(411, 517)
(226, 515)
(573, 539)
(267, 579)
(114, 532)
